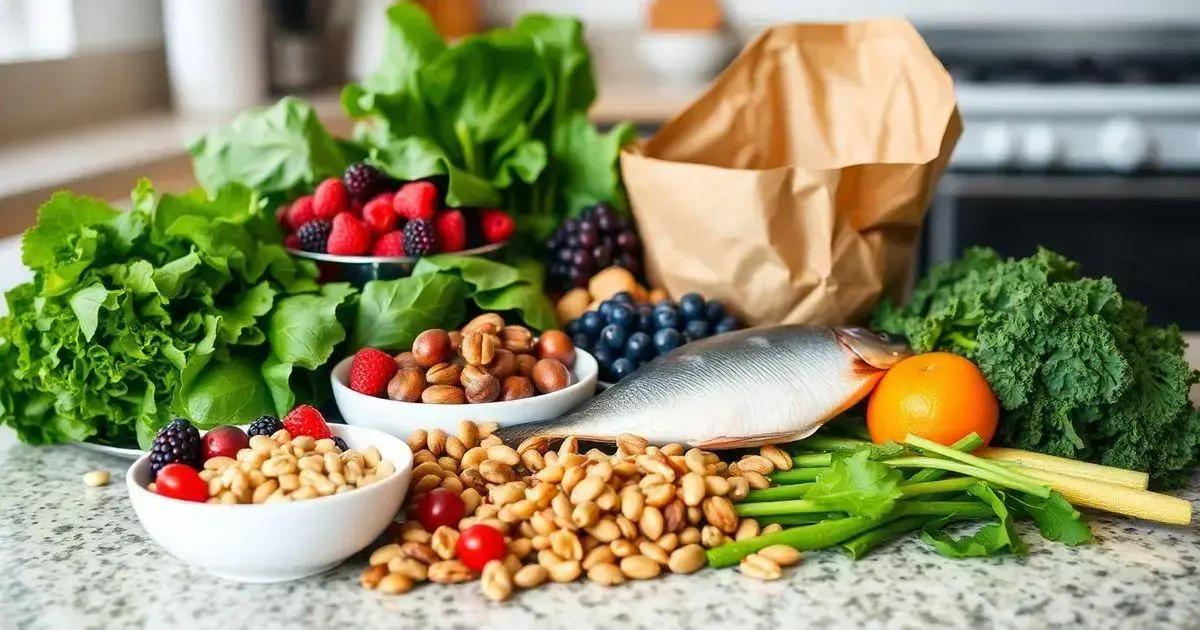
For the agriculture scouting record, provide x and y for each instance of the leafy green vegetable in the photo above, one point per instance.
(991, 539)
(857, 485)
(1076, 368)
(391, 313)
(281, 150)
(165, 310)
(1055, 517)
(498, 287)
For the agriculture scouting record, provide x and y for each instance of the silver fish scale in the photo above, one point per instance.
(782, 380)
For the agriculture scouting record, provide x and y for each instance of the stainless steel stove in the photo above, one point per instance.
(1084, 141)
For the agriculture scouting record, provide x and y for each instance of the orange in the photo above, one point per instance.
(937, 395)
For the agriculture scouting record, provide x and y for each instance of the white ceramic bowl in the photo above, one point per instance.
(684, 56)
(279, 541)
(401, 418)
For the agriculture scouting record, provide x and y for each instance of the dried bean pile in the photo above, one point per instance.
(625, 515)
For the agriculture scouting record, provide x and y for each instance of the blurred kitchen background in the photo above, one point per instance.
(1082, 118)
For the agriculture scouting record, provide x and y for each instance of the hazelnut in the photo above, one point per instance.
(478, 348)
(504, 364)
(517, 339)
(406, 360)
(443, 395)
(443, 374)
(525, 363)
(555, 344)
(456, 338)
(480, 386)
(431, 347)
(488, 323)
(516, 388)
(550, 375)
(407, 385)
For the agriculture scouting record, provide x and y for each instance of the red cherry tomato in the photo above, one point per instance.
(480, 544)
(180, 481)
(440, 507)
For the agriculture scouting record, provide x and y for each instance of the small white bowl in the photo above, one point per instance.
(684, 56)
(275, 542)
(401, 418)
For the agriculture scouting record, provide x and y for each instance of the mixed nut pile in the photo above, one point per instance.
(518, 517)
(486, 361)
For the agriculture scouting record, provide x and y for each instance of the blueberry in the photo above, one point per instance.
(614, 337)
(666, 340)
(697, 328)
(592, 322)
(691, 306)
(622, 297)
(621, 368)
(665, 303)
(604, 359)
(621, 315)
(728, 324)
(714, 311)
(665, 318)
(606, 308)
(573, 327)
(639, 346)
(645, 319)
(581, 341)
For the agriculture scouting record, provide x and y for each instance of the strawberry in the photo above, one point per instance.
(416, 200)
(451, 230)
(331, 198)
(497, 226)
(306, 420)
(349, 236)
(292, 241)
(390, 244)
(378, 214)
(300, 212)
(371, 371)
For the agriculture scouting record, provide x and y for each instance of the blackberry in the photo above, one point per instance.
(341, 444)
(583, 246)
(419, 239)
(363, 181)
(176, 443)
(265, 425)
(314, 235)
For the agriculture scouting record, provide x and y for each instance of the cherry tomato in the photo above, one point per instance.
(180, 481)
(480, 544)
(440, 507)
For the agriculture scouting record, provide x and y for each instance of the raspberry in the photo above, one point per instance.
(378, 214)
(176, 443)
(281, 216)
(266, 424)
(300, 212)
(371, 370)
(314, 235)
(419, 239)
(416, 200)
(330, 199)
(390, 244)
(362, 180)
(451, 230)
(349, 237)
(292, 241)
(497, 225)
(306, 420)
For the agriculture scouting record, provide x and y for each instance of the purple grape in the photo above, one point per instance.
(602, 255)
(628, 241)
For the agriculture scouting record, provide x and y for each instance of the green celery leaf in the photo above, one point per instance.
(857, 485)
(1055, 517)
(991, 539)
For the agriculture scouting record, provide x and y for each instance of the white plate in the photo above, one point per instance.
(401, 418)
(114, 451)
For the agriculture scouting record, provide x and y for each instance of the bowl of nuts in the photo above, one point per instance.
(271, 509)
(487, 372)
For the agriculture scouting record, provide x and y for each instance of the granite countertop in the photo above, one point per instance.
(76, 557)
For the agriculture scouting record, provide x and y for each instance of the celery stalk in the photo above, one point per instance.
(796, 475)
(778, 493)
(966, 444)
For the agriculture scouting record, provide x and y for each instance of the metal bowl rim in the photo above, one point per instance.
(378, 260)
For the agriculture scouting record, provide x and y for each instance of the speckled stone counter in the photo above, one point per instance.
(76, 557)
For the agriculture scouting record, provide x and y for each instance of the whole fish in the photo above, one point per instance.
(746, 388)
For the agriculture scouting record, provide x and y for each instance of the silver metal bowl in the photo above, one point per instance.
(358, 270)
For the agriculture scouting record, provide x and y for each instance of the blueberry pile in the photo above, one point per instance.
(581, 247)
(624, 336)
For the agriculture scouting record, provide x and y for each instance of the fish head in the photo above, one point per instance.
(875, 349)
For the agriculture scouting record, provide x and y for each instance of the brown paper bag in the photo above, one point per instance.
(794, 188)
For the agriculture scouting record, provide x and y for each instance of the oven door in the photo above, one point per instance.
(1142, 231)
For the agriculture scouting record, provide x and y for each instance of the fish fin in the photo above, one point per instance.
(727, 442)
(517, 433)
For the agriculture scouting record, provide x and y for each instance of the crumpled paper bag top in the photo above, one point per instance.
(793, 189)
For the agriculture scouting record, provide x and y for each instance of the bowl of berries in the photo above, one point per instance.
(365, 226)
(271, 501)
